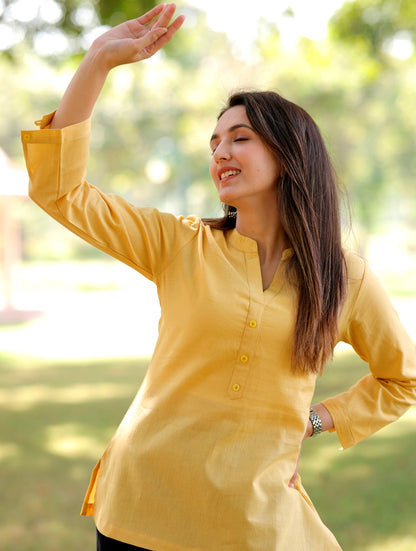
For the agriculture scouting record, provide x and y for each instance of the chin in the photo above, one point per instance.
(228, 198)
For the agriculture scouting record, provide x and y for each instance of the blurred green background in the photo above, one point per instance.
(77, 329)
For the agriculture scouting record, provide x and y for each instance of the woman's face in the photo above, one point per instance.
(242, 167)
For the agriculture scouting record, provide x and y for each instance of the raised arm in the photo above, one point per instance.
(56, 159)
(129, 42)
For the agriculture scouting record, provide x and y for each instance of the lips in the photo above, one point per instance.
(227, 172)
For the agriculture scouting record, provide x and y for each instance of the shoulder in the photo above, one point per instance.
(170, 221)
(178, 231)
(360, 277)
(366, 295)
(356, 266)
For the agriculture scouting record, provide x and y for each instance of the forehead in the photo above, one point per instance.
(232, 117)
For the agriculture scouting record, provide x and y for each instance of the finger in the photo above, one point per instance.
(165, 16)
(171, 30)
(147, 41)
(154, 39)
(145, 46)
(151, 14)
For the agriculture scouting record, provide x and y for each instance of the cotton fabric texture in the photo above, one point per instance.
(204, 455)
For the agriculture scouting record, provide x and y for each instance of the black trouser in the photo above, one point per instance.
(108, 544)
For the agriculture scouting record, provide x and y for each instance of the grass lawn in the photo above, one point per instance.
(55, 420)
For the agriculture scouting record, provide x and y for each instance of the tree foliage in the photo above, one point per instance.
(375, 25)
(72, 19)
(378, 37)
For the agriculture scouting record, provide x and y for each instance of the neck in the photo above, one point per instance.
(266, 229)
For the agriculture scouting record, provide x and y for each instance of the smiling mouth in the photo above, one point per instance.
(229, 173)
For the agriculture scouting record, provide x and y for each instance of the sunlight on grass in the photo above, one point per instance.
(394, 544)
(67, 440)
(25, 397)
(329, 451)
(8, 451)
(405, 424)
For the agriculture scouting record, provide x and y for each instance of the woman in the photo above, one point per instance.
(251, 307)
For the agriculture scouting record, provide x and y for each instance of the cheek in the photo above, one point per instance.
(213, 172)
(269, 170)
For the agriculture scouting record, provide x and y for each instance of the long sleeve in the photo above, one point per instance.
(143, 238)
(370, 324)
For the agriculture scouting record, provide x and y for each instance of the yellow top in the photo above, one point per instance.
(204, 455)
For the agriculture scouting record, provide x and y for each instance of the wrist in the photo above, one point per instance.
(98, 60)
(316, 422)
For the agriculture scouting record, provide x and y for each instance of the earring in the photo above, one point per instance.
(232, 214)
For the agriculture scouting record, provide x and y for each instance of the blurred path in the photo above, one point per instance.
(76, 324)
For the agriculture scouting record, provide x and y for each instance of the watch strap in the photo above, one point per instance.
(316, 422)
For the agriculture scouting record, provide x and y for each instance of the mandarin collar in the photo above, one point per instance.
(249, 245)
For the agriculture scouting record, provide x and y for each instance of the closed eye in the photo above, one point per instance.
(235, 140)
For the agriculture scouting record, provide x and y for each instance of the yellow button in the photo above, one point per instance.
(253, 323)
(26, 137)
(236, 387)
(244, 358)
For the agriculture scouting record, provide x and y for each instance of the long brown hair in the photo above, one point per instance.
(309, 211)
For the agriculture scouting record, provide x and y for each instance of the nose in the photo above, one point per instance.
(221, 153)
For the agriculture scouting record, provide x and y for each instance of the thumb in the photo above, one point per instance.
(148, 44)
(156, 33)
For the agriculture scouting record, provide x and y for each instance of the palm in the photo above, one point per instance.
(126, 31)
(138, 39)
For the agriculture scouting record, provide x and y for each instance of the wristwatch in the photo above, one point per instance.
(316, 422)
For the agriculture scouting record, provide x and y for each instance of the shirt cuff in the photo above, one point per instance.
(47, 135)
(341, 422)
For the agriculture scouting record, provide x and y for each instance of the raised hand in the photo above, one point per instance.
(139, 38)
(131, 41)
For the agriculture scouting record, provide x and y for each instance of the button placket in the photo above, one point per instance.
(246, 352)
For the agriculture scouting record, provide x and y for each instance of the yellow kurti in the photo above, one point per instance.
(204, 455)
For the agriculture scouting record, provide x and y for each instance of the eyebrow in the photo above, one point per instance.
(231, 129)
